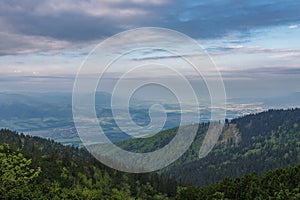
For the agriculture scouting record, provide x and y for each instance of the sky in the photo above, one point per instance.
(254, 44)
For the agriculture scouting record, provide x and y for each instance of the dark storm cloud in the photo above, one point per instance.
(159, 57)
(67, 26)
(70, 26)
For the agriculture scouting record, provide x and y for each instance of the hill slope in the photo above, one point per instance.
(257, 142)
(260, 142)
(21, 179)
(277, 184)
(68, 173)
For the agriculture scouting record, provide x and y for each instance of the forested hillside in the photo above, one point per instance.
(20, 178)
(278, 184)
(36, 168)
(256, 142)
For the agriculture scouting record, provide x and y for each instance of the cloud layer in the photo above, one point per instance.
(33, 25)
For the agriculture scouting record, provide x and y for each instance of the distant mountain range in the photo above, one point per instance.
(286, 101)
(49, 115)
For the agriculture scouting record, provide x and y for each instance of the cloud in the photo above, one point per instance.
(279, 52)
(73, 20)
(56, 23)
(261, 73)
(293, 26)
(31, 26)
(160, 57)
(217, 18)
(287, 55)
(13, 44)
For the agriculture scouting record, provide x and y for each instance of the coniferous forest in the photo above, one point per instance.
(257, 157)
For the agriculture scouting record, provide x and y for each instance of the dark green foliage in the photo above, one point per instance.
(256, 142)
(36, 168)
(266, 141)
(71, 173)
(278, 184)
(15, 173)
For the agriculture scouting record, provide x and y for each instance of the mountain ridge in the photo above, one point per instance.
(253, 143)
